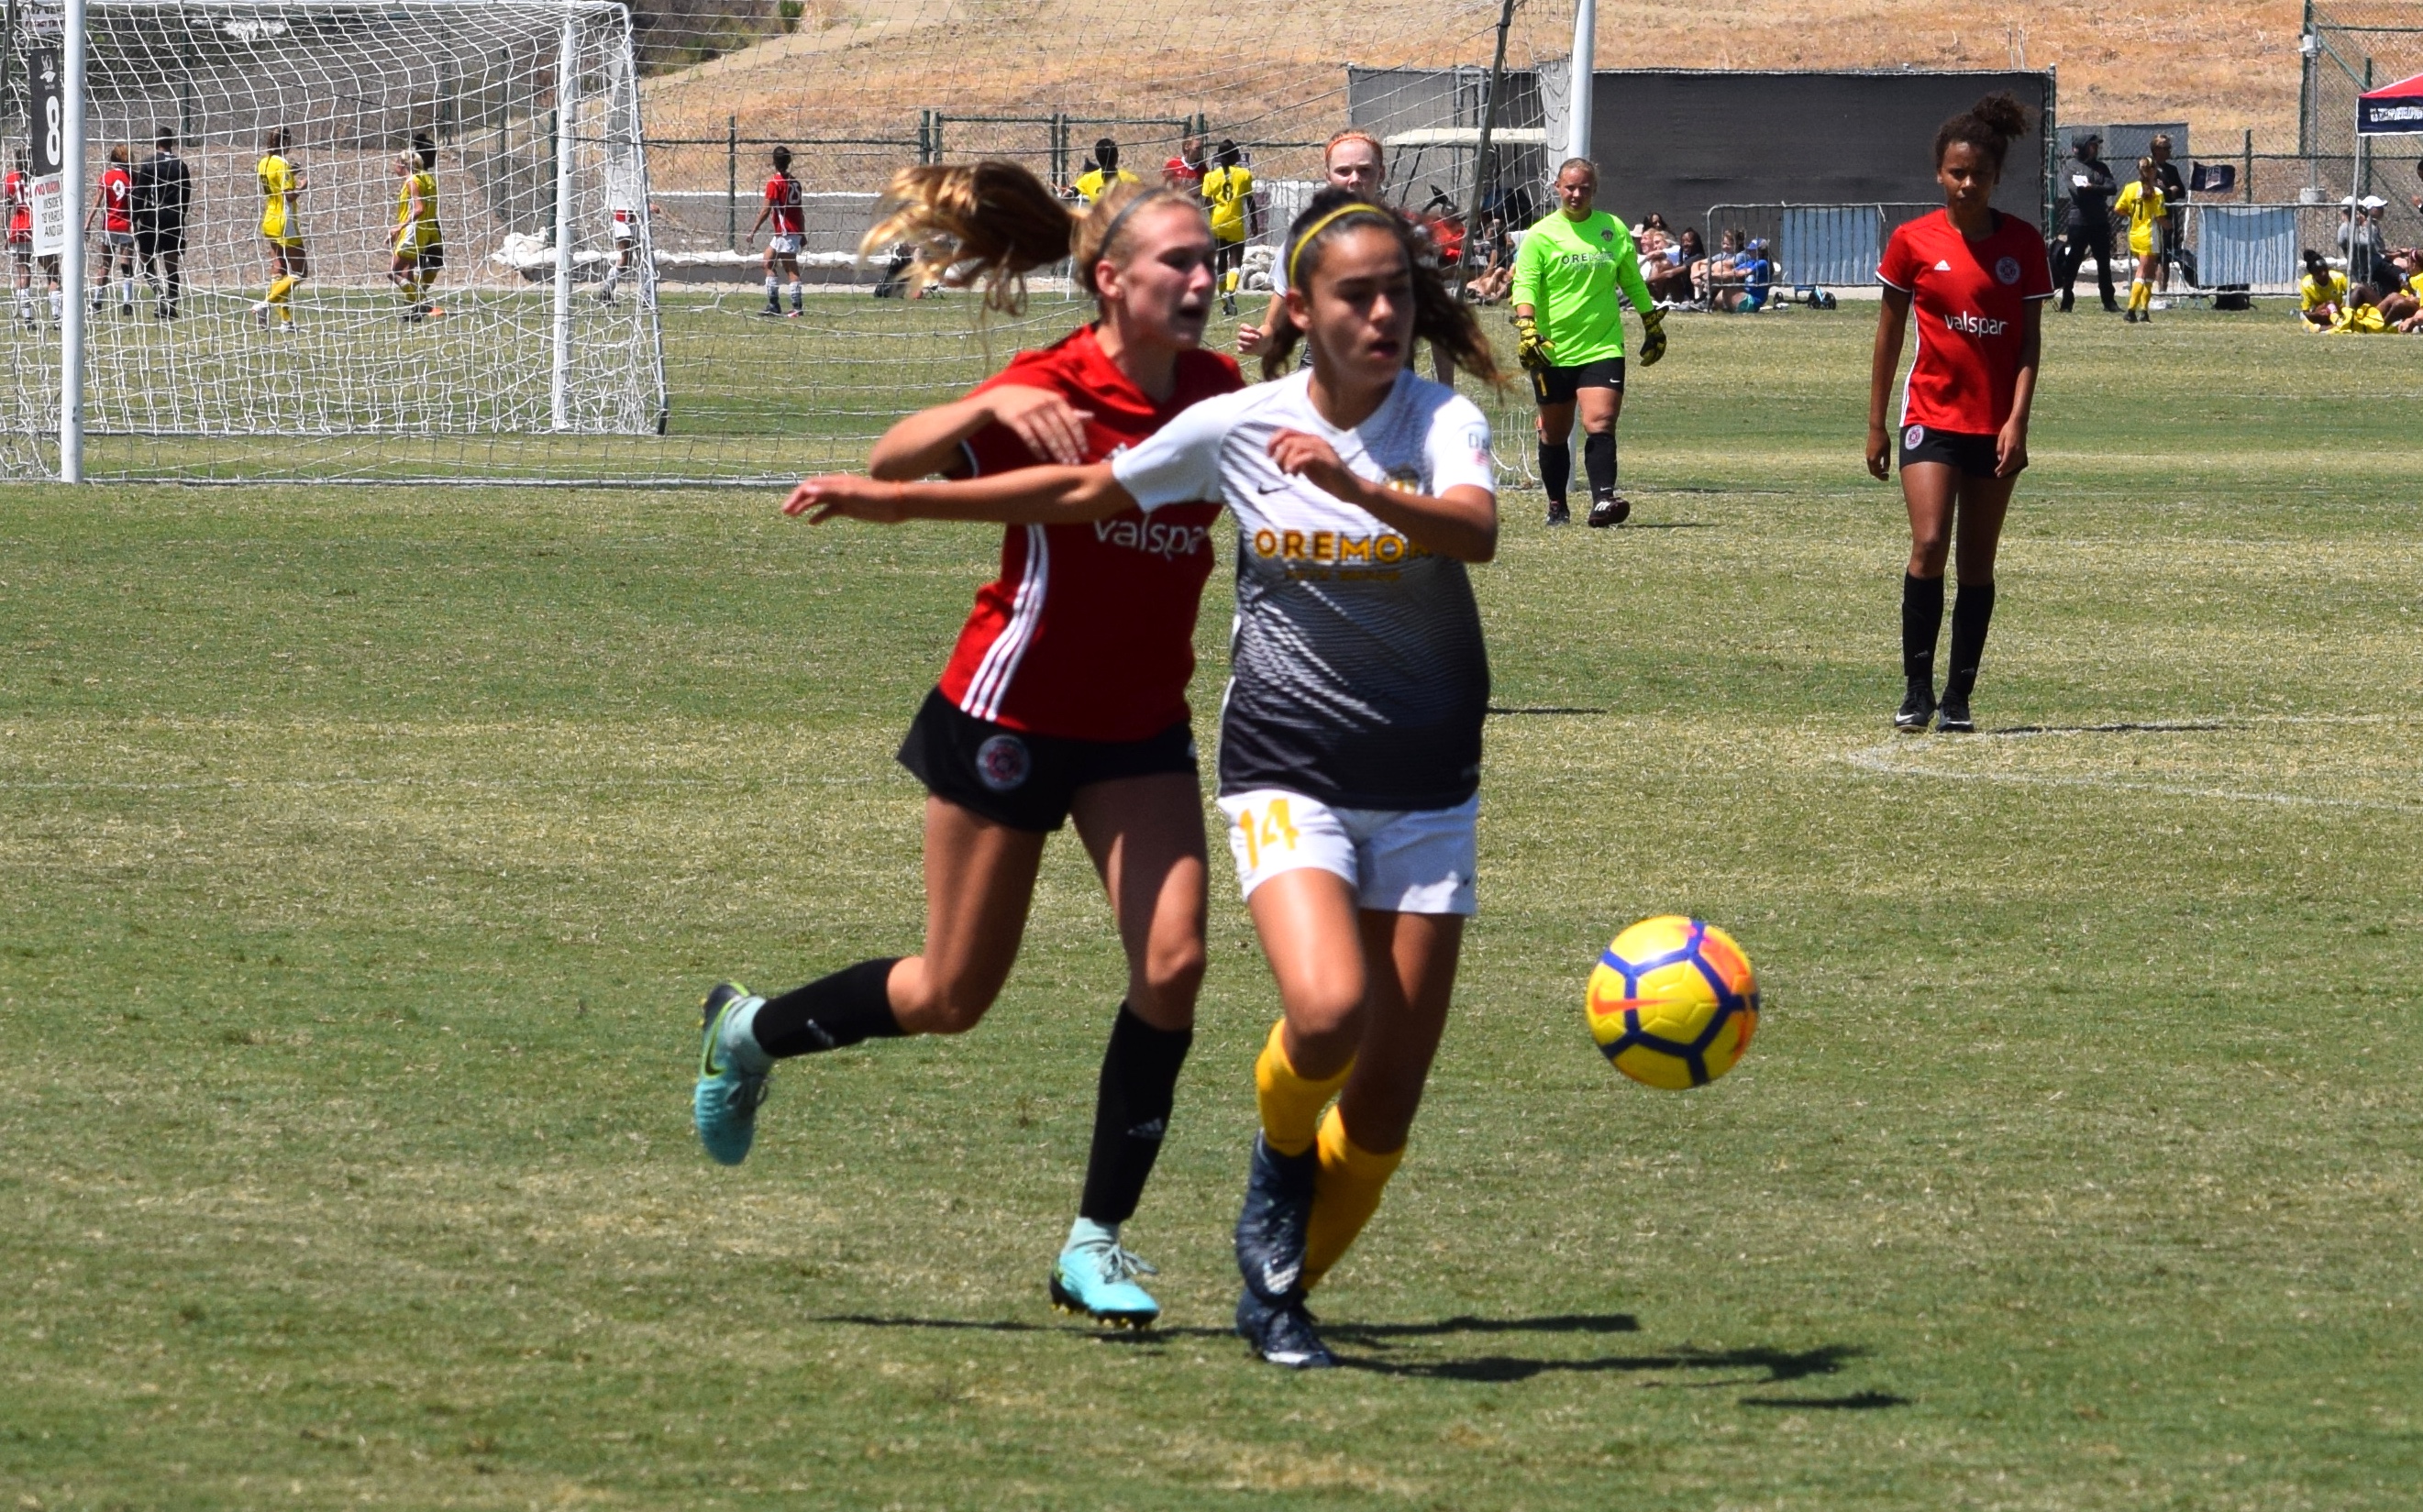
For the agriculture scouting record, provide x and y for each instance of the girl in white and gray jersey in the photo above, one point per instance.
(1350, 740)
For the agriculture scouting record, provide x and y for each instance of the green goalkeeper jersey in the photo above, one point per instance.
(1568, 271)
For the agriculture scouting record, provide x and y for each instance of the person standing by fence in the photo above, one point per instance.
(2086, 226)
(2141, 205)
(1978, 280)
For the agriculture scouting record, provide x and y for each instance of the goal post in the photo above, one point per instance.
(412, 291)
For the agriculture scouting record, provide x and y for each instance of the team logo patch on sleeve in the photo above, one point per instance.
(1003, 763)
(2008, 270)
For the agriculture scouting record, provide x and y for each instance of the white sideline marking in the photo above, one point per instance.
(1881, 761)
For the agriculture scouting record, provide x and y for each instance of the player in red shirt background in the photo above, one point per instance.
(782, 206)
(1976, 281)
(1064, 698)
(113, 205)
(17, 189)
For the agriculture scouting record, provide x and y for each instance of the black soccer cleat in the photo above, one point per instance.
(2130, 316)
(1281, 1333)
(1558, 513)
(1613, 509)
(1917, 707)
(1952, 720)
(1270, 1226)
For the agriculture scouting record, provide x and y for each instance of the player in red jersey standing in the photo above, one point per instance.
(17, 190)
(113, 205)
(1977, 281)
(781, 207)
(1065, 699)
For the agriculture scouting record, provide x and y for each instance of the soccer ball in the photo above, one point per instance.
(1672, 1002)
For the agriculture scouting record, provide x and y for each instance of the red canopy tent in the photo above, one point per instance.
(2391, 109)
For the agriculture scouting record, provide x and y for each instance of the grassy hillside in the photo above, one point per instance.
(866, 65)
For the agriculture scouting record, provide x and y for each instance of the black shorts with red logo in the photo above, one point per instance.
(1967, 451)
(1021, 778)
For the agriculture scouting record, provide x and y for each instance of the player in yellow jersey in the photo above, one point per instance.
(2142, 205)
(1224, 190)
(2319, 293)
(420, 243)
(282, 227)
(1106, 172)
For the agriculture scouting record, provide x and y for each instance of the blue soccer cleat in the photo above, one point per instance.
(1096, 1276)
(731, 1078)
(1281, 1333)
(1271, 1227)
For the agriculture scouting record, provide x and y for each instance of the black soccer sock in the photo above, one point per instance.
(1598, 461)
(830, 1013)
(1973, 610)
(1921, 621)
(1556, 469)
(1130, 1112)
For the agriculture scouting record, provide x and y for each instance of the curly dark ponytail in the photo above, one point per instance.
(1990, 126)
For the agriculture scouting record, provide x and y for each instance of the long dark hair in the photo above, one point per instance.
(1440, 317)
(1990, 126)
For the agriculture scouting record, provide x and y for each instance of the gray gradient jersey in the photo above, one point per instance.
(1357, 674)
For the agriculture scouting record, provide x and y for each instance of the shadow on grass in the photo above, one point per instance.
(1375, 1347)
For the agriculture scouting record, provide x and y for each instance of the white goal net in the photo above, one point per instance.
(503, 134)
(666, 118)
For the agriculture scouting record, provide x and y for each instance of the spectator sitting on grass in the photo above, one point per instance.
(1751, 282)
(1492, 266)
(1717, 273)
(1670, 277)
(2319, 293)
(2361, 314)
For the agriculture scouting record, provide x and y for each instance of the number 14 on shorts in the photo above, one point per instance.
(1264, 826)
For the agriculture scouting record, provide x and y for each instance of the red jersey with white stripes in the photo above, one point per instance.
(1088, 632)
(782, 198)
(118, 200)
(20, 192)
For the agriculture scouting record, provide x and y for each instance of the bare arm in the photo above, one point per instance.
(1893, 324)
(928, 442)
(1460, 524)
(1253, 340)
(2011, 446)
(1030, 495)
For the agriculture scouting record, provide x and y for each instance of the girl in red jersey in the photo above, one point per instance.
(1977, 281)
(783, 208)
(113, 205)
(1066, 697)
(17, 190)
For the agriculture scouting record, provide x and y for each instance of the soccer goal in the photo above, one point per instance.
(257, 323)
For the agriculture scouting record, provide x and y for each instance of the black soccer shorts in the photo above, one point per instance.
(1558, 386)
(1022, 780)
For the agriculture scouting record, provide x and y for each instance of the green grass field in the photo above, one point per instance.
(363, 853)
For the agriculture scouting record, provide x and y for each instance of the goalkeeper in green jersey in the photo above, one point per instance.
(1571, 276)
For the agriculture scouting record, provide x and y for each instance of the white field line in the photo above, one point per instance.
(1884, 761)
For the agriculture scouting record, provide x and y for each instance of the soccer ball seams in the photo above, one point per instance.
(1730, 1009)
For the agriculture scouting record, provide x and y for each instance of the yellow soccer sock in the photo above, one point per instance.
(2140, 294)
(1345, 1194)
(1291, 1102)
(282, 286)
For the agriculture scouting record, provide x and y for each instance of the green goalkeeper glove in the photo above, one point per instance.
(1533, 354)
(1653, 337)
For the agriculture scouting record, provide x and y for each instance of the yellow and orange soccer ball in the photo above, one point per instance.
(1673, 1002)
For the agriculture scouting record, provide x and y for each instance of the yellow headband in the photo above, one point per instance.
(1296, 252)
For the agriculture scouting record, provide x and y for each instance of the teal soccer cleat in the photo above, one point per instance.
(1095, 1276)
(731, 1077)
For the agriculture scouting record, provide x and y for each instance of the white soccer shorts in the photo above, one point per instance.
(1398, 860)
(786, 247)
